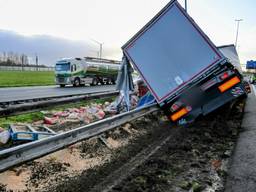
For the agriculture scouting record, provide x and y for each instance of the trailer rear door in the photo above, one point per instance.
(170, 51)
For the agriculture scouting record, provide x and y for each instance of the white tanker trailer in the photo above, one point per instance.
(88, 70)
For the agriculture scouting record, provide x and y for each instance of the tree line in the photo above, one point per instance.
(13, 59)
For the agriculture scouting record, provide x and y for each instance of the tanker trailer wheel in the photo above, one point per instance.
(113, 81)
(108, 82)
(76, 82)
(101, 81)
(94, 82)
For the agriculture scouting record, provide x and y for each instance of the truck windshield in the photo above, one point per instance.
(62, 67)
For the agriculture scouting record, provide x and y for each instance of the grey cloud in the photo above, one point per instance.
(49, 48)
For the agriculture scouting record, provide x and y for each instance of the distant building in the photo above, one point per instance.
(251, 66)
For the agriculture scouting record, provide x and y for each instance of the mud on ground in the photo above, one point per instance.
(47, 173)
(195, 159)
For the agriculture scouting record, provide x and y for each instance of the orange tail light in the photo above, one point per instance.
(179, 114)
(230, 83)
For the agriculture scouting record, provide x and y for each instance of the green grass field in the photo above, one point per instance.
(26, 78)
(24, 118)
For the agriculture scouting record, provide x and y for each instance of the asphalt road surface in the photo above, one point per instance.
(243, 166)
(23, 93)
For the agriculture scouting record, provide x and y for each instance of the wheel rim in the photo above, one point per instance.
(77, 82)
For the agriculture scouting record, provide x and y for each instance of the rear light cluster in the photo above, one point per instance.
(224, 76)
(180, 113)
(228, 84)
(176, 106)
(219, 78)
(178, 109)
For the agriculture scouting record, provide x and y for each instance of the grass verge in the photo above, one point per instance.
(26, 78)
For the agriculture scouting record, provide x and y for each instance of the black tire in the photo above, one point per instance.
(77, 82)
(62, 85)
(101, 81)
(113, 81)
(94, 82)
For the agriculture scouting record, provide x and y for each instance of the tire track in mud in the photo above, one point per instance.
(198, 161)
(122, 173)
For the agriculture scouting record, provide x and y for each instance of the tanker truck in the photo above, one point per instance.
(87, 70)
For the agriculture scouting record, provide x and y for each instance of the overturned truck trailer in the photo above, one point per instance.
(185, 72)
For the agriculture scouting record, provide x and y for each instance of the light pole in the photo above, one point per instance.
(237, 31)
(100, 44)
(36, 61)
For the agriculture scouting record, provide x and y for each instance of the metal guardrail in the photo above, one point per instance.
(33, 99)
(30, 151)
(33, 106)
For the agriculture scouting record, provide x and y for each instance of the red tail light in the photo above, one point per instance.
(224, 76)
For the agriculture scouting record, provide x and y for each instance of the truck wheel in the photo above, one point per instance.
(113, 82)
(108, 82)
(94, 82)
(76, 82)
(62, 85)
(101, 81)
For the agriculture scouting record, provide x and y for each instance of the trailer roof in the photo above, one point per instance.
(230, 52)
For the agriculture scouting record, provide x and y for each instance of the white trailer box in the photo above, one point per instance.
(171, 51)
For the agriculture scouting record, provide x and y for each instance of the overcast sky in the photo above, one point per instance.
(115, 21)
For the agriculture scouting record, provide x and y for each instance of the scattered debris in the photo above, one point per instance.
(87, 115)
(50, 121)
(24, 132)
(119, 105)
(216, 164)
(4, 136)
